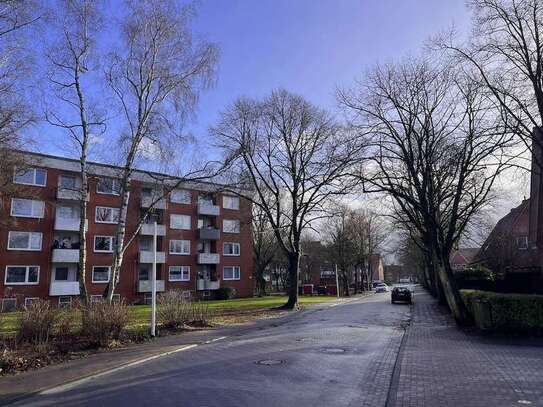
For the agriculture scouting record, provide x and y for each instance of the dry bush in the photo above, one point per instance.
(103, 322)
(174, 310)
(36, 323)
(201, 314)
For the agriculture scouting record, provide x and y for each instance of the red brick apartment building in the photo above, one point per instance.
(204, 236)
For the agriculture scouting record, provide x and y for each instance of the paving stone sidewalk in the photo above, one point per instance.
(442, 365)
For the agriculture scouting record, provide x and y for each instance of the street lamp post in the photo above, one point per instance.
(153, 284)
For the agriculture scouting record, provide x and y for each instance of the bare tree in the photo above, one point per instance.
(295, 158)
(156, 77)
(437, 147)
(73, 65)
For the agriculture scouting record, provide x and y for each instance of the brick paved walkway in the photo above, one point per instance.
(442, 365)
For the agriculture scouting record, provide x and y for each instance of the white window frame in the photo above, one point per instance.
(185, 191)
(178, 215)
(65, 304)
(26, 275)
(112, 222)
(183, 270)
(111, 239)
(224, 221)
(31, 299)
(234, 244)
(233, 273)
(28, 248)
(116, 186)
(33, 201)
(34, 177)
(232, 199)
(96, 298)
(108, 275)
(187, 253)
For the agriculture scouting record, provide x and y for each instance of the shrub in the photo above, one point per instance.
(36, 323)
(104, 322)
(225, 293)
(507, 313)
(173, 310)
(201, 314)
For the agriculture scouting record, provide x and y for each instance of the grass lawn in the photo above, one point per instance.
(140, 315)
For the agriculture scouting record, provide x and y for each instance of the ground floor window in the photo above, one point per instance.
(147, 298)
(22, 275)
(231, 273)
(96, 298)
(187, 294)
(116, 298)
(30, 300)
(65, 302)
(9, 304)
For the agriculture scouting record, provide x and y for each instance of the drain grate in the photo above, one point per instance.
(270, 362)
(334, 350)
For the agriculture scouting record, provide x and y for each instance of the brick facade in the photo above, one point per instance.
(59, 241)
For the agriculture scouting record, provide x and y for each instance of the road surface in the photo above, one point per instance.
(335, 355)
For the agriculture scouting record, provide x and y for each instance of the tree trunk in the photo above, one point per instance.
(293, 269)
(83, 294)
(452, 295)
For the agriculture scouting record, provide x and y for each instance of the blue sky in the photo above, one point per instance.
(306, 46)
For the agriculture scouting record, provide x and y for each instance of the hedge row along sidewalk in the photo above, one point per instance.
(505, 313)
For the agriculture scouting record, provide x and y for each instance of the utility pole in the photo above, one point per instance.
(337, 282)
(153, 284)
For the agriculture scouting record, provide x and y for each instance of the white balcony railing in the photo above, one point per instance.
(147, 201)
(65, 256)
(149, 230)
(71, 224)
(204, 284)
(69, 194)
(208, 209)
(64, 288)
(208, 258)
(144, 286)
(146, 256)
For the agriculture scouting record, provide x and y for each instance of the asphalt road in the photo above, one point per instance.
(339, 355)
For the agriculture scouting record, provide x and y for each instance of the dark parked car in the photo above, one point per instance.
(401, 294)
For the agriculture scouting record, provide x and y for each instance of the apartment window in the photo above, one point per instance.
(22, 275)
(109, 186)
(147, 298)
(103, 244)
(180, 196)
(64, 302)
(179, 273)
(61, 273)
(30, 300)
(96, 298)
(230, 202)
(100, 274)
(179, 246)
(9, 304)
(180, 222)
(231, 273)
(31, 176)
(67, 182)
(230, 226)
(522, 242)
(107, 215)
(27, 208)
(231, 249)
(24, 241)
(67, 212)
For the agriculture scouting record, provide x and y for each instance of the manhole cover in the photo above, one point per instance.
(333, 350)
(269, 362)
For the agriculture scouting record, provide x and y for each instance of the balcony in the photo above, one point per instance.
(208, 284)
(208, 209)
(146, 256)
(69, 194)
(64, 288)
(208, 258)
(144, 286)
(65, 256)
(210, 234)
(147, 201)
(71, 224)
(149, 230)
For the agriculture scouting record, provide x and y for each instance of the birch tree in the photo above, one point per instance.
(73, 66)
(294, 157)
(156, 76)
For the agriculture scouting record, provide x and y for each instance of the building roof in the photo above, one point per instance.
(464, 255)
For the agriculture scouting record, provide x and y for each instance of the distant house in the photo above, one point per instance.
(461, 258)
(377, 267)
(395, 272)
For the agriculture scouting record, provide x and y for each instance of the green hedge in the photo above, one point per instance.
(507, 313)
